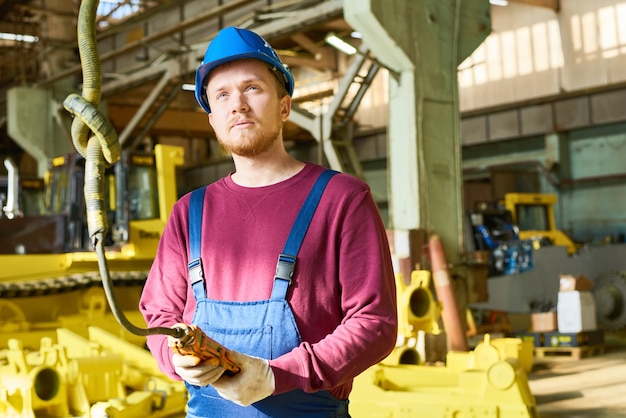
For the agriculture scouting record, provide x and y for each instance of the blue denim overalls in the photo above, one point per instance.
(265, 328)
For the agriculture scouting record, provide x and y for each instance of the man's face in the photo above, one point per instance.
(246, 112)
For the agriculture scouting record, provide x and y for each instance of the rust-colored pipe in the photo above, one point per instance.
(452, 323)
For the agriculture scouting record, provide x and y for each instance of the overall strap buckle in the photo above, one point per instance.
(285, 267)
(195, 271)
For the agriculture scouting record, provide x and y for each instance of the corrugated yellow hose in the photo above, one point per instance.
(88, 119)
(96, 140)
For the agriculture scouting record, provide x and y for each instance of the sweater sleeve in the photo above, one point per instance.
(164, 297)
(368, 327)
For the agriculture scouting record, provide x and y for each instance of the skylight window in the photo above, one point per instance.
(116, 11)
(16, 37)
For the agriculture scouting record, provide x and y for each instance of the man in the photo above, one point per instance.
(300, 329)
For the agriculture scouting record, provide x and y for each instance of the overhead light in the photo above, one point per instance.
(499, 2)
(340, 44)
(189, 87)
(18, 37)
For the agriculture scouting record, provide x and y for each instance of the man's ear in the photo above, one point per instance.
(210, 118)
(285, 109)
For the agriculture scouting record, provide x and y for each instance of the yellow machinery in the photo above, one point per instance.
(486, 382)
(99, 376)
(489, 381)
(533, 213)
(50, 273)
(62, 352)
(553, 254)
(419, 335)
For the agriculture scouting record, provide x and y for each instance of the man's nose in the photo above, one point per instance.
(240, 104)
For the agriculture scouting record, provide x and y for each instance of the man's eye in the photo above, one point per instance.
(220, 96)
(252, 88)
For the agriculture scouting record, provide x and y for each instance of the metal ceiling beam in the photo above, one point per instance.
(321, 57)
(145, 106)
(304, 18)
(196, 20)
(156, 114)
(295, 22)
(21, 28)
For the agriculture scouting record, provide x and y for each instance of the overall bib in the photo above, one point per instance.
(265, 328)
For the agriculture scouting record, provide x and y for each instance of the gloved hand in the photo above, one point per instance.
(195, 371)
(254, 382)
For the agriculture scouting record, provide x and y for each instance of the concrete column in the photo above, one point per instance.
(36, 119)
(422, 42)
(558, 156)
(37, 122)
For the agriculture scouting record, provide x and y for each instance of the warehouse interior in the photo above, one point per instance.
(494, 125)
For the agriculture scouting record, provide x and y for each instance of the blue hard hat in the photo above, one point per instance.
(232, 44)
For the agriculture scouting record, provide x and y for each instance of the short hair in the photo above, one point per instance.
(279, 81)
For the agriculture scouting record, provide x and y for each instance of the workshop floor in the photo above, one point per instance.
(592, 387)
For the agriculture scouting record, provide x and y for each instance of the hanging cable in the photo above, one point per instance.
(96, 140)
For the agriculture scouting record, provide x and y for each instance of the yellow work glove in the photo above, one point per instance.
(254, 382)
(195, 371)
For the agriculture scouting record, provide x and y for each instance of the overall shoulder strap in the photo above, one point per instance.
(287, 259)
(195, 271)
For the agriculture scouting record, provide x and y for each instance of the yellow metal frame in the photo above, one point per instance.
(137, 255)
(512, 201)
(489, 381)
(99, 375)
(31, 318)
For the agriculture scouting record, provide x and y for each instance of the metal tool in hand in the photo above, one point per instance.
(196, 343)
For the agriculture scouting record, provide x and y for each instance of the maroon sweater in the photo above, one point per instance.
(343, 290)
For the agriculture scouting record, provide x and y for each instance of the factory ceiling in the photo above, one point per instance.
(300, 41)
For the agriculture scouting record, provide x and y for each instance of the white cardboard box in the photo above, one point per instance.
(576, 311)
